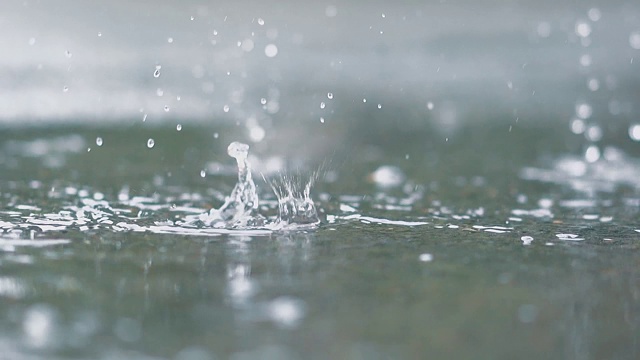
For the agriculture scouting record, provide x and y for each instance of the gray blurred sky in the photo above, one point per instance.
(212, 54)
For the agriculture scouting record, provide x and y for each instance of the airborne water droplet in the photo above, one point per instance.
(330, 96)
(203, 173)
(99, 141)
(179, 127)
(150, 143)
(156, 73)
(166, 108)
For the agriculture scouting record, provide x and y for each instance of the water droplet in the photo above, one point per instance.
(527, 313)
(178, 98)
(593, 84)
(159, 92)
(544, 29)
(634, 132)
(150, 143)
(216, 135)
(594, 133)
(430, 105)
(322, 105)
(577, 126)
(156, 73)
(144, 117)
(592, 154)
(526, 240)
(179, 127)
(322, 119)
(32, 41)
(99, 34)
(364, 100)
(426, 257)
(99, 141)
(379, 106)
(192, 18)
(263, 101)
(634, 40)
(331, 11)
(203, 173)
(271, 50)
(170, 40)
(68, 54)
(247, 45)
(225, 108)
(582, 29)
(65, 89)
(584, 110)
(330, 96)
(387, 176)
(260, 21)
(166, 108)
(594, 14)
(286, 312)
(585, 60)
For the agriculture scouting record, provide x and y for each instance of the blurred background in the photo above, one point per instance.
(269, 66)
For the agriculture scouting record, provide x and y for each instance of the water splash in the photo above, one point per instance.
(295, 206)
(240, 209)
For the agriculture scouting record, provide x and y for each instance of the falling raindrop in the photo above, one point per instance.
(322, 119)
(65, 89)
(271, 50)
(584, 110)
(634, 132)
(151, 143)
(577, 126)
(544, 29)
(634, 40)
(179, 127)
(592, 154)
(322, 105)
(166, 108)
(203, 173)
(583, 29)
(331, 11)
(430, 105)
(330, 96)
(99, 141)
(156, 73)
(225, 108)
(379, 106)
(68, 54)
(263, 101)
(594, 14)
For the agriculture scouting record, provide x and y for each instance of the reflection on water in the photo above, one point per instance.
(477, 194)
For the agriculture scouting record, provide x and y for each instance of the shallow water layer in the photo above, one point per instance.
(450, 255)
